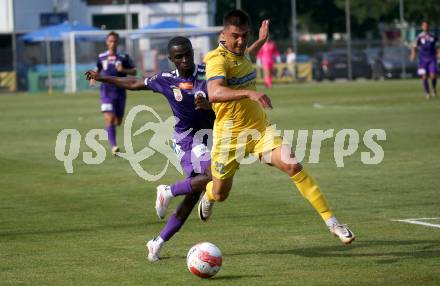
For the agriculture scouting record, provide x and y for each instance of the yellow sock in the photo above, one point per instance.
(208, 192)
(310, 190)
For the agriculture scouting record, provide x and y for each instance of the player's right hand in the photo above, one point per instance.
(92, 75)
(261, 98)
(263, 33)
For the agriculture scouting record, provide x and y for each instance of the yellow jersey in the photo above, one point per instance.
(238, 72)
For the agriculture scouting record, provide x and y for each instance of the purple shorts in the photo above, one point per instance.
(195, 161)
(427, 67)
(115, 105)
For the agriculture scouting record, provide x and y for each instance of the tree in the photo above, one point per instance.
(418, 10)
(328, 16)
(259, 10)
(321, 16)
(366, 15)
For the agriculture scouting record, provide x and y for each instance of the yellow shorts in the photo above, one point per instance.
(231, 150)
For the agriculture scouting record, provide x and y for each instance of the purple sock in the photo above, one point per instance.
(426, 86)
(173, 225)
(434, 84)
(181, 188)
(111, 132)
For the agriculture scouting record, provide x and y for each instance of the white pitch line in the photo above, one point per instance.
(418, 222)
(317, 105)
(348, 107)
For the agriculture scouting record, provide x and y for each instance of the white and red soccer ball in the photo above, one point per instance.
(204, 259)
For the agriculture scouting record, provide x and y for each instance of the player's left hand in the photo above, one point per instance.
(264, 30)
(119, 67)
(202, 103)
(261, 98)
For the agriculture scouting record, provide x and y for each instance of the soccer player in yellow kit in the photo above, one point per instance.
(242, 127)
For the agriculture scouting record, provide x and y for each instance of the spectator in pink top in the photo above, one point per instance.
(267, 56)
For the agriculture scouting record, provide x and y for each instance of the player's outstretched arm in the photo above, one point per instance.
(413, 52)
(218, 92)
(262, 38)
(122, 82)
(129, 71)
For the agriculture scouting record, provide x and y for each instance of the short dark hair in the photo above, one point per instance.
(237, 18)
(179, 41)
(112, 33)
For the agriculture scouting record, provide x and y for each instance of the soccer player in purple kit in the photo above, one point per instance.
(185, 90)
(113, 63)
(425, 46)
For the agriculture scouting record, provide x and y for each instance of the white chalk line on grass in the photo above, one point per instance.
(368, 107)
(348, 107)
(419, 221)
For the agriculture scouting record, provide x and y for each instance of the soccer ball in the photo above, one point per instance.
(204, 259)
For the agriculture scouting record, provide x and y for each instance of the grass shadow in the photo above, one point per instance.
(235, 277)
(9, 235)
(419, 249)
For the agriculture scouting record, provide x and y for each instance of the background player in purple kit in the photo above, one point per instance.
(113, 63)
(426, 48)
(185, 90)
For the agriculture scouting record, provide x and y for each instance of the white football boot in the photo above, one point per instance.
(205, 208)
(342, 232)
(115, 150)
(163, 199)
(154, 247)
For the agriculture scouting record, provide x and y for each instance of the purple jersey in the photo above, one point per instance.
(180, 93)
(106, 65)
(426, 44)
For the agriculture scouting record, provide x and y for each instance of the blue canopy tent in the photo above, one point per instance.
(54, 33)
(167, 24)
(173, 27)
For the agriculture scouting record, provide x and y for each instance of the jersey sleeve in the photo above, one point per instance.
(155, 83)
(98, 64)
(215, 67)
(127, 62)
(417, 43)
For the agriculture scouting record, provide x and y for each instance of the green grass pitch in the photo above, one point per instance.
(90, 227)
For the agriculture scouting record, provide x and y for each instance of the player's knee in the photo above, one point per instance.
(205, 177)
(220, 197)
(116, 121)
(107, 121)
(292, 169)
(208, 176)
